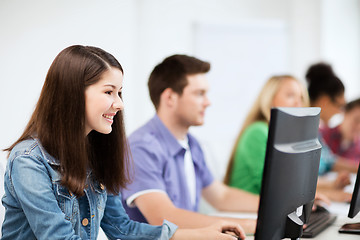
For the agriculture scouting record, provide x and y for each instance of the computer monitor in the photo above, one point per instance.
(354, 208)
(355, 199)
(290, 173)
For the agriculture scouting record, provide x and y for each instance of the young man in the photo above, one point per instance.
(170, 173)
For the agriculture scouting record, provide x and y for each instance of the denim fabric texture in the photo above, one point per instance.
(37, 206)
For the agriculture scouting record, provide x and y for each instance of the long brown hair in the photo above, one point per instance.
(58, 121)
(260, 111)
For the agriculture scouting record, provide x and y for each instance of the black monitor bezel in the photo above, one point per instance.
(293, 227)
(355, 199)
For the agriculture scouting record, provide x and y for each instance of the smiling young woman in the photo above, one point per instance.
(65, 172)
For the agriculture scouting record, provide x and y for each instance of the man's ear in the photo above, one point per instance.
(168, 97)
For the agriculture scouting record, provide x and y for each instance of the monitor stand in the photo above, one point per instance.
(294, 226)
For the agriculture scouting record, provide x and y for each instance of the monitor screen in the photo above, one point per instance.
(355, 199)
(290, 173)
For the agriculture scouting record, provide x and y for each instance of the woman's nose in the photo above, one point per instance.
(118, 103)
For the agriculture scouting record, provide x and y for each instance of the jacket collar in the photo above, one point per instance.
(48, 158)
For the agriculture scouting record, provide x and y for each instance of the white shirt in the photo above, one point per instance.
(189, 170)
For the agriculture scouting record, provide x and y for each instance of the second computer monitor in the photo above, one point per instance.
(355, 199)
(290, 173)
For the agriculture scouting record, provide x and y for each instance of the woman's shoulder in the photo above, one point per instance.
(255, 132)
(31, 148)
(30, 153)
(26, 147)
(258, 127)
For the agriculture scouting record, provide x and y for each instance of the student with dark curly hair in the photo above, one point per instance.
(327, 91)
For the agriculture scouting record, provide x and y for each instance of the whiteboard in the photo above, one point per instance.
(242, 56)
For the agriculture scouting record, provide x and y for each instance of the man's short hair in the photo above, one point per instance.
(172, 73)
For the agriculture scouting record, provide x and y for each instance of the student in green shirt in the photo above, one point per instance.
(246, 164)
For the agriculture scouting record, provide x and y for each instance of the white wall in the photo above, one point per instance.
(340, 21)
(33, 33)
(140, 33)
(168, 27)
(243, 56)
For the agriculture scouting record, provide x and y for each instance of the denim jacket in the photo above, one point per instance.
(37, 206)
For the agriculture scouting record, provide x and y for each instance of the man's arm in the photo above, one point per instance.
(225, 198)
(157, 206)
(342, 164)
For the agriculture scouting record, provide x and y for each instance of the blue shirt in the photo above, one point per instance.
(159, 165)
(37, 206)
(327, 158)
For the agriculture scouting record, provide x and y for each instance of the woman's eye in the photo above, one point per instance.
(108, 92)
(120, 94)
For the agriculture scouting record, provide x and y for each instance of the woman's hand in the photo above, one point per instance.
(221, 230)
(229, 228)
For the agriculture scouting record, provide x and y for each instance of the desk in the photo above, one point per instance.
(341, 210)
(331, 233)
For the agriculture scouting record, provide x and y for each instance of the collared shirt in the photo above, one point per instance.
(37, 206)
(159, 165)
(189, 170)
